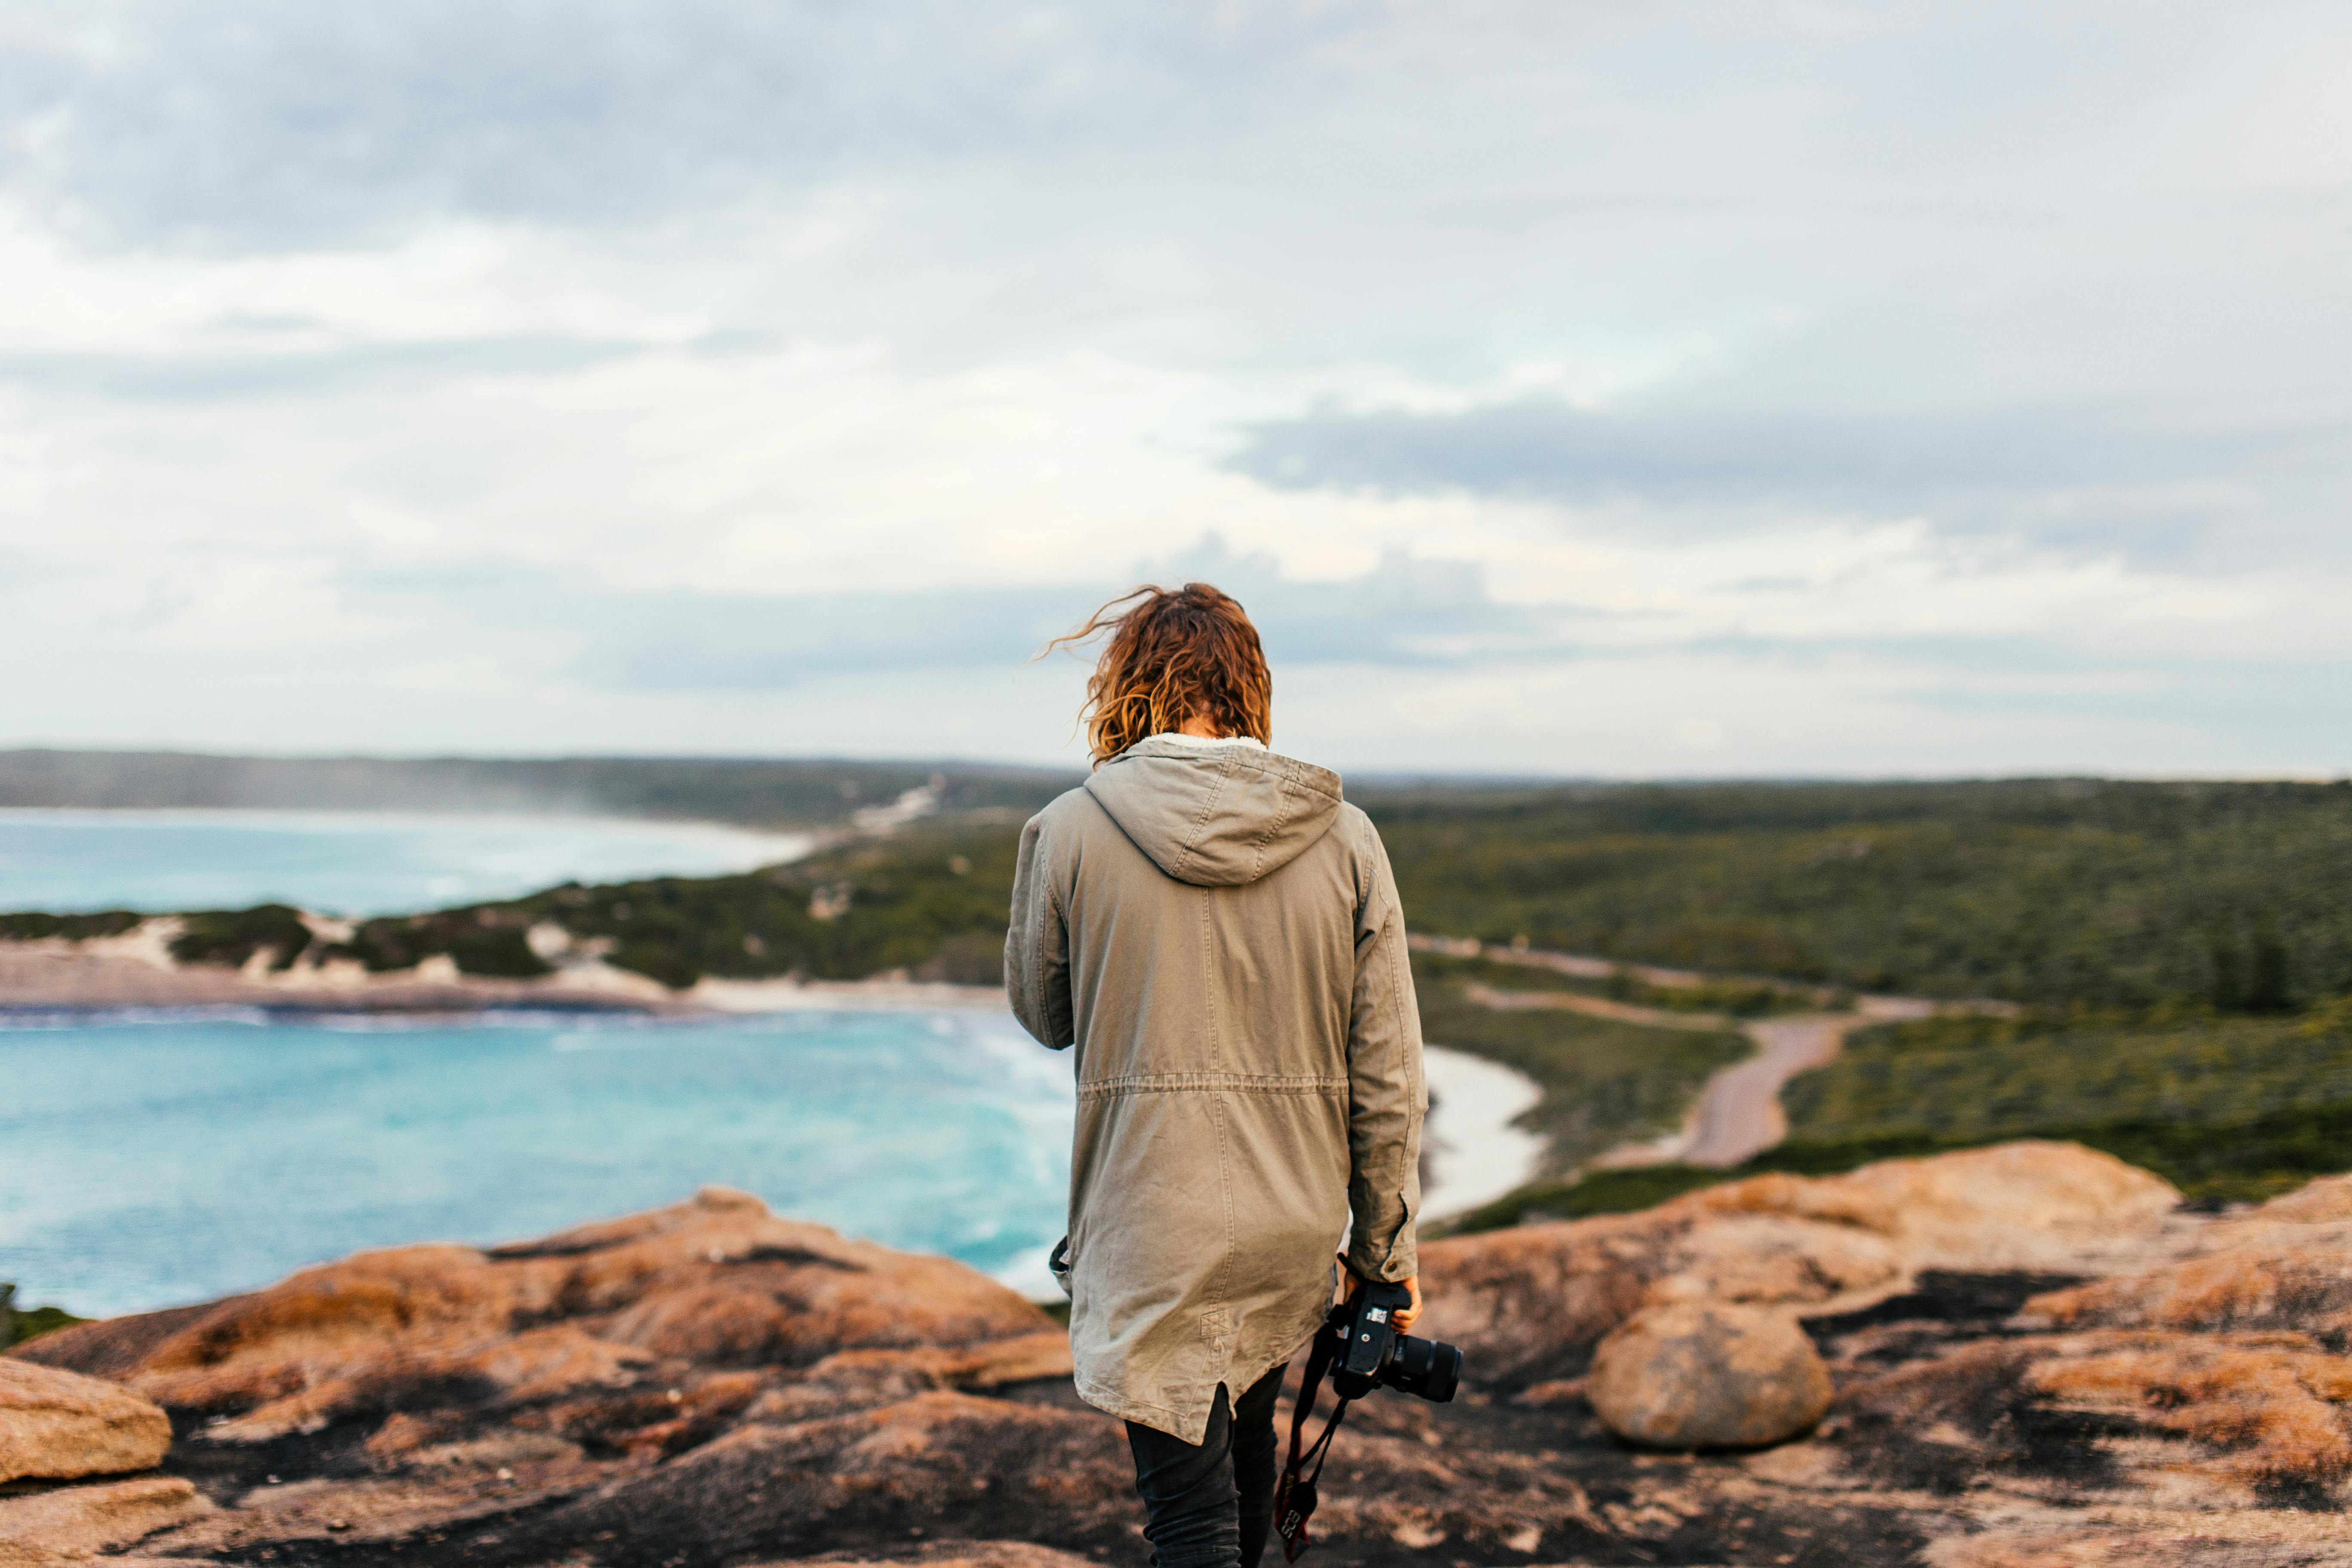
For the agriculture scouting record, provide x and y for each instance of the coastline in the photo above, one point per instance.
(136, 970)
(1475, 1153)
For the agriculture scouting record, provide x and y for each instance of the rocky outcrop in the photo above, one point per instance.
(457, 1384)
(716, 1283)
(2034, 1363)
(2194, 1410)
(73, 1524)
(58, 1425)
(1528, 1304)
(62, 1427)
(1704, 1374)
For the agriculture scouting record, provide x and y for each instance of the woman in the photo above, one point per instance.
(1218, 933)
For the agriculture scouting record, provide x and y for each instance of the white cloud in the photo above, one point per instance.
(1694, 387)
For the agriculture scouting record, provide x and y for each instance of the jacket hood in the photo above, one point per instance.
(1215, 817)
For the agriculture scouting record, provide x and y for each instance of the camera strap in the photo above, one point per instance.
(1293, 1498)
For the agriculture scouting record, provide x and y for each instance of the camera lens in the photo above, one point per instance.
(1429, 1368)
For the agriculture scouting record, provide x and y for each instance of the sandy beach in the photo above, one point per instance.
(136, 970)
(1476, 1154)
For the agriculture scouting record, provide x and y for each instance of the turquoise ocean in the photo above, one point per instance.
(150, 1160)
(342, 863)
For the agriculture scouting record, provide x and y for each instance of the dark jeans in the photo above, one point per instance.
(1210, 1506)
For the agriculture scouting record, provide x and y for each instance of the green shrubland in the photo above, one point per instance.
(35, 926)
(2226, 1108)
(18, 1324)
(2050, 891)
(1604, 1082)
(232, 937)
(2054, 893)
(929, 901)
(1732, 998)
(1978, 1076)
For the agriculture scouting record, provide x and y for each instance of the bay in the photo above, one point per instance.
(149, 1161)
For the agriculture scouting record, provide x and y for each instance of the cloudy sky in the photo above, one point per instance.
(1587, 388)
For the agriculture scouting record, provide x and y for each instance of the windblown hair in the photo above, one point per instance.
(1174, 653)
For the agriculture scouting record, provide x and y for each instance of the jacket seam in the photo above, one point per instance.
(1050, 906)
(1224, 776)
(1289, 806)
(1226, 1264)
(1412, 1101)
(1294, 1088)
(1208, 979)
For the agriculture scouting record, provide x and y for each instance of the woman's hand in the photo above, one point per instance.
(1403, 1320)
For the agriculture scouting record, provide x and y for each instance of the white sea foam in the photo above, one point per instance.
(1031, 1274)
(1476, 1153)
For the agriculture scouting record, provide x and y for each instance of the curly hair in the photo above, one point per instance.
(1174, 653)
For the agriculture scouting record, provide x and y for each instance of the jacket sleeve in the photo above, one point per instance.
(1386, 1096)
(1037, 945)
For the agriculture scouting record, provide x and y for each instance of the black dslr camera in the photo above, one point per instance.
(1369, 1353)
(1359, 1347)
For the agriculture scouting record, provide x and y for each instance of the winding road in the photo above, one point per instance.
(1738, 1114)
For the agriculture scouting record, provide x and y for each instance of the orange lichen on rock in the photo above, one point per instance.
(2271, 1407)
(1529, 1303)
(2307, 1289)
(2286, 1265)
(715, 1281)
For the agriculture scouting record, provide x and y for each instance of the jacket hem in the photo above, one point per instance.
(1160, 1418)
(1242, 1082)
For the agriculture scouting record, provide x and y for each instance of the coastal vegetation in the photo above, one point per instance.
(18, 1324)
(926, 902)
(232, 936)
(32, 925)
(1604, 1081)
(2226, 1108)
(1725, 997)
(2123, 897)
(2119, 895)
(1982, 1078)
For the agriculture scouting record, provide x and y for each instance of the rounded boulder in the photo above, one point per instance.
(1699, 1374)
(58, 1425)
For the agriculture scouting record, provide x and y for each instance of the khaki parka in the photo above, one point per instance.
(1218, 933)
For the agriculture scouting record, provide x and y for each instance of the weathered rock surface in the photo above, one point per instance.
(56, 1425)
(72, 1524)
(2034, 1363)
(1705, 1374)
(1529, 1304)
(717, 1282)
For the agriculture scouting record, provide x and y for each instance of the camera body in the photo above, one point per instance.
(1370, 1352)
(1361, 1349)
